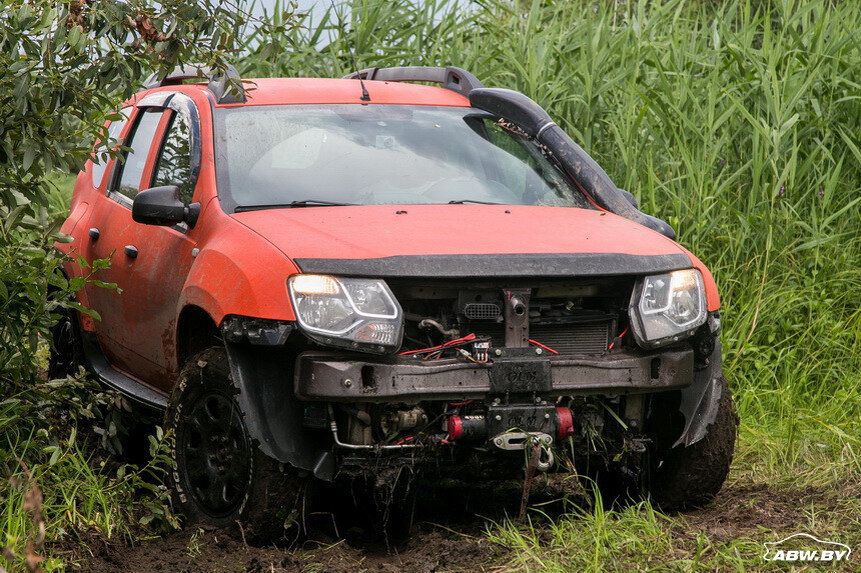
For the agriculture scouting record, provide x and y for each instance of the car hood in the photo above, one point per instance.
(464, 241)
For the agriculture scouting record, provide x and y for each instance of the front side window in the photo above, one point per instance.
(378, 155)
(174, 162)
(135, 160)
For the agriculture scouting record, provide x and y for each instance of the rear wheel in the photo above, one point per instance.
(690, 477)
(221, 478)
(66, 353)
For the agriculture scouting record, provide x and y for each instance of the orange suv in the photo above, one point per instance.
(336, 280)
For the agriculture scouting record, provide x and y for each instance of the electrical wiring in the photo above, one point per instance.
(618, 339)
(451, 343)
(547, 348)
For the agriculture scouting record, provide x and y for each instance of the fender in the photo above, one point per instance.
(273, 416)
(224, 281)
(699, 401)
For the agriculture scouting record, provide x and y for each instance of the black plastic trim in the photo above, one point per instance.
(499, 265)
(272, 413)
(184, 104)
(454, 79)
(700, 401)
(219, 84)
(135, 391)
(178, 75)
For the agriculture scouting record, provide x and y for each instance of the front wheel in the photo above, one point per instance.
(690, 477)
(221, 478)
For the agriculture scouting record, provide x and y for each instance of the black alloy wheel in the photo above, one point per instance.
(217, 453)
(220, 477)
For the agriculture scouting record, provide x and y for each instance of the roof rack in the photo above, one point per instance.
(451, 78)
(218, 84)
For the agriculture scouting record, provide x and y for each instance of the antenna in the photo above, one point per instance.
(365, 95)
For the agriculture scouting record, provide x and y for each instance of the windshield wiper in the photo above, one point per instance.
(304, 203)
(462, 201)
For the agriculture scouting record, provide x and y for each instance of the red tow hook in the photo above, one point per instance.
(565, 423)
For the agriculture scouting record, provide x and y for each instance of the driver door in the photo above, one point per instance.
(149, 263)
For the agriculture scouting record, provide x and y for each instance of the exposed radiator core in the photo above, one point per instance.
(590, 338)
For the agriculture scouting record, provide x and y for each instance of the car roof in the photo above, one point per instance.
(294, 91)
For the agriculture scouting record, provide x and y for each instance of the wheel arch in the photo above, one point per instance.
(196, 330)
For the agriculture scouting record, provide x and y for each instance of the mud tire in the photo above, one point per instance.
(261, 499)
(690, 477)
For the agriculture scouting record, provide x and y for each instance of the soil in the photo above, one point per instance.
(431, 549)
(437, 546)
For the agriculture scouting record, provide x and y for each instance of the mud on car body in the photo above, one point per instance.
(328, 280)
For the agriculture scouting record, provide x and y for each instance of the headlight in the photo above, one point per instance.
(668, 307)
(352, 313)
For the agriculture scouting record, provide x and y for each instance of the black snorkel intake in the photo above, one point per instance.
(533, 120)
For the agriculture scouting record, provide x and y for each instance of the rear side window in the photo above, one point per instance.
(174, 161)
(100, 162)
(140, 143)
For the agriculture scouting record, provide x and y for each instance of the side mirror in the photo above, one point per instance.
(162, 206)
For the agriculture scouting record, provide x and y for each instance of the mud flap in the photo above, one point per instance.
(263, 376)
(700, 400)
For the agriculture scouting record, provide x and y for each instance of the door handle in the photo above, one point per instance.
(94, 234)
(131, 251)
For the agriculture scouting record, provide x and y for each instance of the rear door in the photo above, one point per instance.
(149, 263)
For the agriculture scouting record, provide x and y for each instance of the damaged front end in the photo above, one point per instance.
(486, 373)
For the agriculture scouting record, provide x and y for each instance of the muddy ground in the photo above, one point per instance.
(435, 546)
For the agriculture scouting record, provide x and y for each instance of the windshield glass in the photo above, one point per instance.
(380, 155)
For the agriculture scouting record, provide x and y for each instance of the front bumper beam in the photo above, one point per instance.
(332, 376)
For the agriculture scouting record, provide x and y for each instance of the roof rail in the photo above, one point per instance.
(219, 85)
(451, 78)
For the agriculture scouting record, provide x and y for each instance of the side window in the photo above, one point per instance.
(174, 161)
(101, 158)
(135, 161)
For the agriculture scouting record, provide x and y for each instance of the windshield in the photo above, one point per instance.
(308, 155)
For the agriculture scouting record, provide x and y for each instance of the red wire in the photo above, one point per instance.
(612, 344)
(547, 348)
(468, 338)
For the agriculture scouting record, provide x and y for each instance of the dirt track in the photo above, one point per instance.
(739, 511)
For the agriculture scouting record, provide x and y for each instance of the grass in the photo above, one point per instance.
(73, 490)
(739, 122)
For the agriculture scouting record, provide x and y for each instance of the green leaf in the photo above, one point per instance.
(29, 156)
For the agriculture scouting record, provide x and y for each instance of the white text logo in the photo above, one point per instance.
(831, 551)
